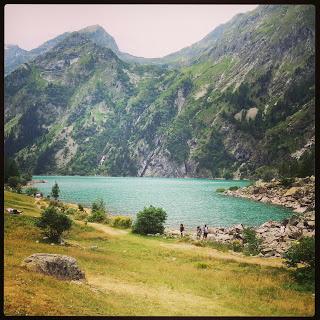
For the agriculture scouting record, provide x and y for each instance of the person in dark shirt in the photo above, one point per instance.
(205, 231)
(181, 229)
(199, 232)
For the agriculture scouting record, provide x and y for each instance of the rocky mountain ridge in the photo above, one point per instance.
(240, 103)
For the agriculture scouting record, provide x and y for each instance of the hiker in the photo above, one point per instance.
(205, 231)
(199, 232)
(181, 229)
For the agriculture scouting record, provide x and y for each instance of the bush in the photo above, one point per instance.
(80, 207)
(150, 220)
(202, 265)
(53, 223)
(220, 190)
(97, 216)
(55, 203)
(98, 205)
(14, 181)
(266, 173)
(227, 175)
(31, 191)
(237, 246)
(287, 182)
(10, 169)
(252, 243)
(55, 191)
(302, 252)
(121, 222)
(80, 215)
(70, 211)
(233, 188)
(26, 177)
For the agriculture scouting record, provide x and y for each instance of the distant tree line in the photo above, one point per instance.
(12, 176)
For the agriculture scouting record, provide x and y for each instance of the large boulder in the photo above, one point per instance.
(60, 266)
(293, 191)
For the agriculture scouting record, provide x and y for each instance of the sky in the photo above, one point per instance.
(148, 31)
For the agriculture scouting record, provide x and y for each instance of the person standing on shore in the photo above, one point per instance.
(199, 232)
(205, 231)
(181, 229)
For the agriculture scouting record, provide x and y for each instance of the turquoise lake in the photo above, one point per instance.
(189, 201)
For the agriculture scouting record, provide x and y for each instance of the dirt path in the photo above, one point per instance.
(238, 257)
(106, 229)
(271, 262)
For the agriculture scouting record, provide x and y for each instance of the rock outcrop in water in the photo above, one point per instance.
(298, 194)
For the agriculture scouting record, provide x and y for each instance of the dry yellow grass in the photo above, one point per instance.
(134, 275)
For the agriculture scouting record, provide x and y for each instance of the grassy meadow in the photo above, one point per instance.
(128, 274)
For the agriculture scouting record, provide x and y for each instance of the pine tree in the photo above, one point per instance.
(55, 191)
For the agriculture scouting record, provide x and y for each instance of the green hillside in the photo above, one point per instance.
(239, 103)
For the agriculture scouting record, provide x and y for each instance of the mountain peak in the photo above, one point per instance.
(93, 28)
(97, 34)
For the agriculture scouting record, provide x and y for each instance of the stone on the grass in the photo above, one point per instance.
(60, 266)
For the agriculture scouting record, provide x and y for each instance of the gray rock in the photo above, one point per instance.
(60, 266)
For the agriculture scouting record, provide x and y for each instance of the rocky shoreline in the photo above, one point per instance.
(276, 237)
(298, 195)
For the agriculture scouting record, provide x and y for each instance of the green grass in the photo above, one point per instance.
(21, 202)
(128, 274)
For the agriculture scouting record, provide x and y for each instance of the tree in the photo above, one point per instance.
(31, 191)
(55, 191)
(53, 223)
(98, 205)
(150, 220)
(302, 252)
(251, 241)
(98, 211)
(14, 181)
(10, 169)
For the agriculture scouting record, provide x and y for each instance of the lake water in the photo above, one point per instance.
(189, 201)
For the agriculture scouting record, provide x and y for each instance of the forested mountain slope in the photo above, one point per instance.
(239, 102)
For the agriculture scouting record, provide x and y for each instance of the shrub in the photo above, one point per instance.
(53, 223)
(80, 207)
(121, 221)
(26, 177)
(266, 173)
(227, 175)
(98, 205)
(150, 220)
(220, 190)
(202, 265)
(10, 169)
(55, 203)
(97, 216)
(302, 252)
(31, 190)
(80, 215)
(55, 191)
(70, 211)
(252, 243)
(14, 181)
(237, 246)
(287, 182)
(233, 188)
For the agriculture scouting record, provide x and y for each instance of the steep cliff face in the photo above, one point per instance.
(239, 102)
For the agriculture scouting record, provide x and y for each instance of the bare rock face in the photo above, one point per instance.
(60, 266)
